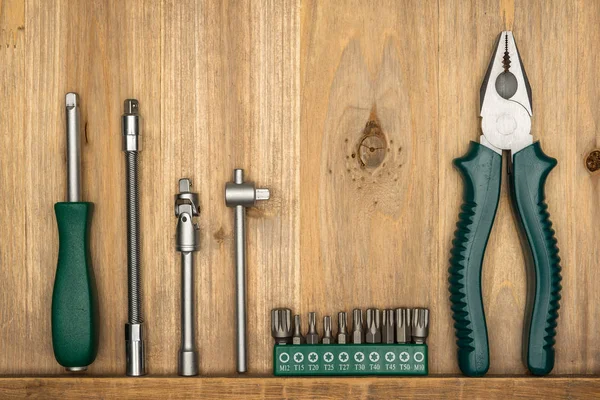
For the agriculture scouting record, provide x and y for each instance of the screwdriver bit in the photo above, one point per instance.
(342, 336)
(312, 337)
(298, 338)
(327, 331)
(420, 325)
(387, 326)
(281, 325)
(403, 325)
(373, 334)
(358, 335)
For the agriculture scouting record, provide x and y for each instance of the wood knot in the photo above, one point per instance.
(592, 161)
(372, 145)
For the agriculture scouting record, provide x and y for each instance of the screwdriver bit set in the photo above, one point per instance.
(392, 342)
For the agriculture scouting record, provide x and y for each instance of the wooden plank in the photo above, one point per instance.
(230, 100)
(584, 212)
(13, 249)
(369, 152)
(467, 34)
(288, 90)
(301, 388)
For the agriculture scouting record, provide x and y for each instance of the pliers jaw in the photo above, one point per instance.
(505, 100)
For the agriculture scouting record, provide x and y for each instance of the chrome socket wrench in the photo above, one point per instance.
(239, 195)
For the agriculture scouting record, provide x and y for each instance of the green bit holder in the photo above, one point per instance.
(350, 359)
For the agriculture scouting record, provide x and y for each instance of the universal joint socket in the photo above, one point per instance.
(134, 349)
(239, 195)
(130, 125)
(187, 242)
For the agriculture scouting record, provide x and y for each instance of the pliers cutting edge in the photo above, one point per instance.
(505, 101)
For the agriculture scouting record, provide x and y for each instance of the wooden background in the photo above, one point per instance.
(288, 90)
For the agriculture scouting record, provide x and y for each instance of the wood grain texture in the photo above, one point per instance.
(351, 113)
(297, 388)
(369, 156)
(12, 22)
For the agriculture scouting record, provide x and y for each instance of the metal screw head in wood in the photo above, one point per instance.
(239, 195)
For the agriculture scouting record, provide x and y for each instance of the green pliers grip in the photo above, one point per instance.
(74, 299)
(528, 178)
(481, 170)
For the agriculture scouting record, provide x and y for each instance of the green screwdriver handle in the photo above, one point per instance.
(481, 170)
(530, 170)
(74, 299)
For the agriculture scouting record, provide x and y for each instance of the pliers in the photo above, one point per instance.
(505, 109)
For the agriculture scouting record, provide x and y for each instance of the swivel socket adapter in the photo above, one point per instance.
(187, 241)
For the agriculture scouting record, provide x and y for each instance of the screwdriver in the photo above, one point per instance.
(74, 298)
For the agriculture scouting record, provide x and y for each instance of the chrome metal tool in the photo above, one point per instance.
(312, 336)
(134, 329)
(239, 195)
(420, 325)
(358, 334)
(342, 335)
(297, 338)
(373, 334)
(387, 326)
(327, 331)
(403, 325)
(187, 242)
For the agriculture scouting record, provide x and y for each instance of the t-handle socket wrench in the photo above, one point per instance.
(240, 194)
(187, 242)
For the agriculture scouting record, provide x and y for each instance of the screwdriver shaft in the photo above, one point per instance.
(73, 148)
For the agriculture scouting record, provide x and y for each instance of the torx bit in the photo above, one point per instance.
(358, 335)
(312, 337)
(281, 325)
(373, 334)
(387, 326)
(327, 331)
(297, 338)
(342, 335)
(403, 325)
(420, 325)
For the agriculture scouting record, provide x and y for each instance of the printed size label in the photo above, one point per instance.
(350, 359)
